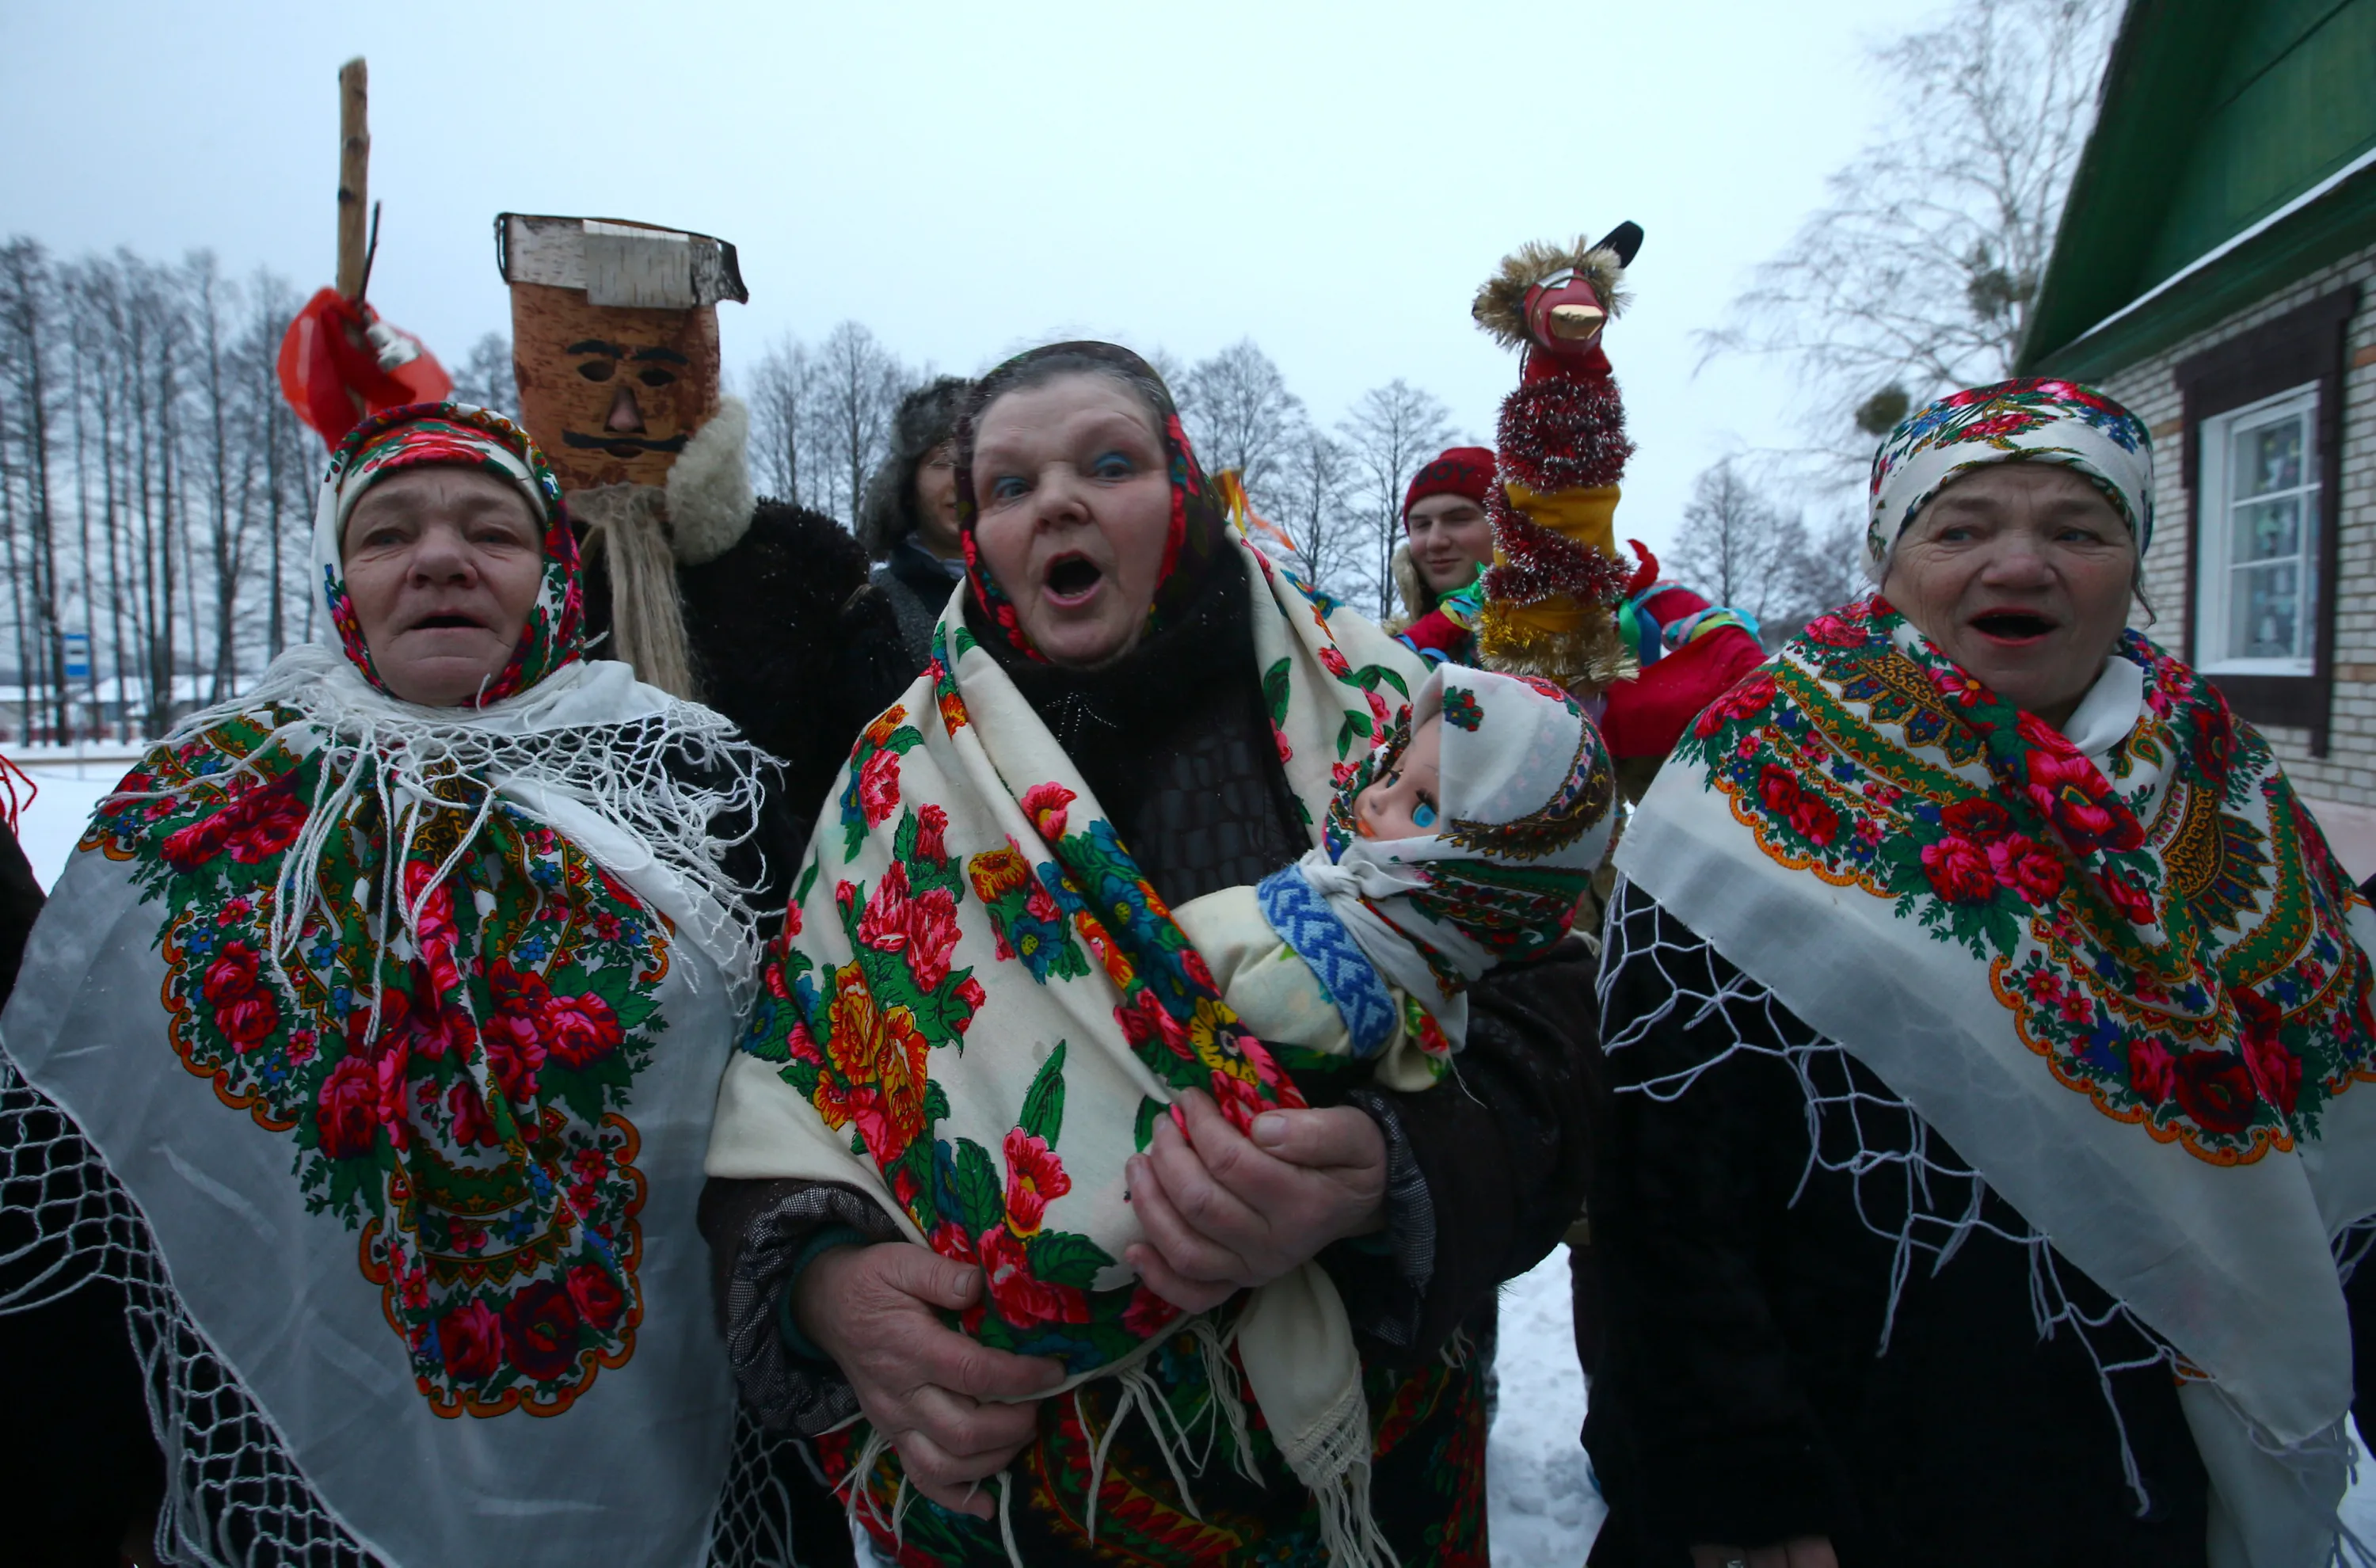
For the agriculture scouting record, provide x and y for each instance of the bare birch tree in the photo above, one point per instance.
(1917, 276)
(26, 314)
(1734, 547)
(1739, 549)
(154, 486)
(484, 376)
(859, 385)
(1240, 415)
(1392, 431)
(783, 421)
(1314, 503)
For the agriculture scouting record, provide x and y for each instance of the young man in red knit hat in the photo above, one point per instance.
(1448, 541)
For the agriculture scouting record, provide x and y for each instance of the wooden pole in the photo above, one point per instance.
(355, 174)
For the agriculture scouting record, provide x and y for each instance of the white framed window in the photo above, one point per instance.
(2256, 563)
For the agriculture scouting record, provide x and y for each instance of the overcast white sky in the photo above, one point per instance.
(1332, 180)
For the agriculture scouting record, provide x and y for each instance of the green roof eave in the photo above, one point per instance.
(2325, 223)
(2161, 66)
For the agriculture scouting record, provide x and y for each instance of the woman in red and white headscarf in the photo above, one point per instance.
(369, 1046)
(1988, 1016)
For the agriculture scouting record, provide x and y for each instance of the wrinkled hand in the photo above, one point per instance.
(1224, 1213)
(1805, 1551)
(935, 1393)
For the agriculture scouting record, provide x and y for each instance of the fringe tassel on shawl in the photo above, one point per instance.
(1334, 1464)
(1228, 1392)
(628, 530)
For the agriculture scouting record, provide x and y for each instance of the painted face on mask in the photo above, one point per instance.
(614, 341)
(612, 393)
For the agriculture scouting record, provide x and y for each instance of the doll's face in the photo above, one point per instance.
(611, 392)
(1404, 803)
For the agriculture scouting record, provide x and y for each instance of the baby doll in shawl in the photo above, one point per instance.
(1461, 842)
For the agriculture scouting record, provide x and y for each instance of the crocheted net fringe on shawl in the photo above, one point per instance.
(616, 770)
(234, 1497)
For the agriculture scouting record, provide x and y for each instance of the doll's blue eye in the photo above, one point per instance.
(1423, 815)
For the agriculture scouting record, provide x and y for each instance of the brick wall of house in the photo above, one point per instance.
(2347, 775)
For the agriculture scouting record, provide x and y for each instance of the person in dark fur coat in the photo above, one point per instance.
(786, 637)
(908, 521)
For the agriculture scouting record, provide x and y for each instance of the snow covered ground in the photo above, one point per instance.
(49, 827)
(1542, 1507)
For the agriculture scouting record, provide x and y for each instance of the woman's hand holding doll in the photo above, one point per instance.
(1224, 1212)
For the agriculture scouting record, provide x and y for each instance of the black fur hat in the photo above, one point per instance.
(927, 417)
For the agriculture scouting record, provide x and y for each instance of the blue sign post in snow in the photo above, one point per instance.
(77, 654)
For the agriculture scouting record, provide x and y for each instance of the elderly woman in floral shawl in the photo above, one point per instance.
(369, 1043)
(1988, 1016)
(1004, 1188)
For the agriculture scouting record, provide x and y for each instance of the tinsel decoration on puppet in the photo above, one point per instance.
(1557, 576)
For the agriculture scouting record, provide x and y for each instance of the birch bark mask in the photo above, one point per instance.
(614, 340)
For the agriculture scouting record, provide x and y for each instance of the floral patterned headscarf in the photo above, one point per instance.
(454, 435)
(2027, 420)
(1199, 526)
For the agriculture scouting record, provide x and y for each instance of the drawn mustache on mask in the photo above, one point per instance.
(613, 444)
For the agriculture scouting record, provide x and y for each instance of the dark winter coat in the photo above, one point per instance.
(1738, 1397)
(917, 583)
(788, 640)
(78, 1466)
(1485, 1170)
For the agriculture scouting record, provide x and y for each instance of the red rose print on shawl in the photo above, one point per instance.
(878, 786)
(2073, 793)
(2151, 1072)
(596, 1296)
(541, 1330)
(1022, 1300)
(1746, 700)
(251, 828)
(2023, 865)
(470, 1342)
(2126, 895)
(244, 1011)
(350, 1109)
(2276, 1072)
(583, 1029)
(924, 926)
(2215, 1088)
(932, 827)
(1804, 811)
